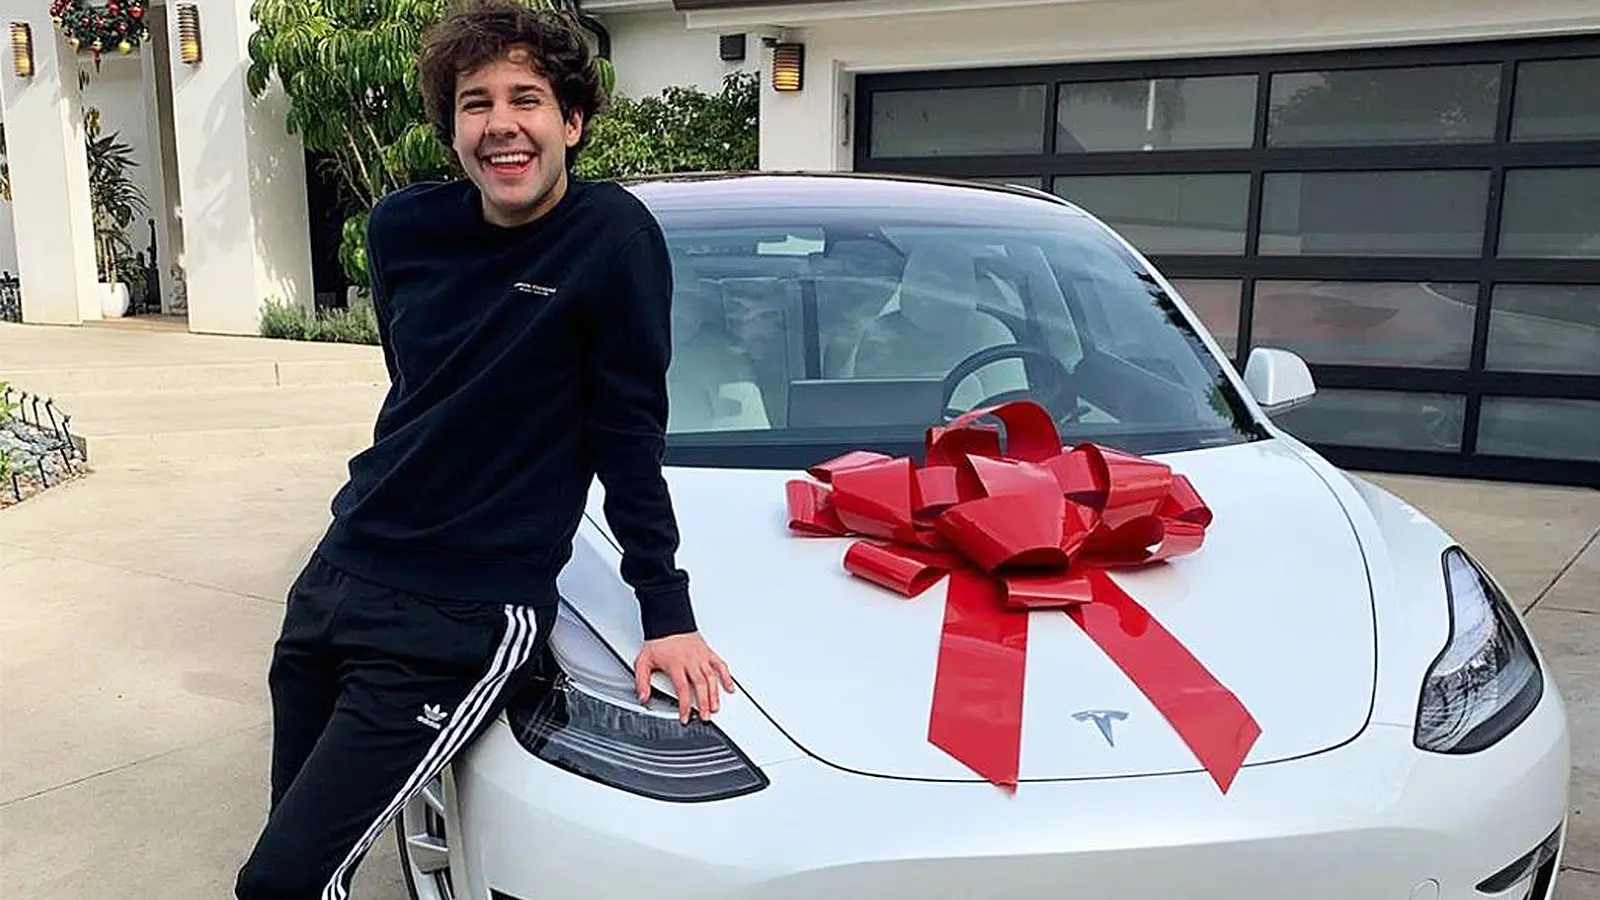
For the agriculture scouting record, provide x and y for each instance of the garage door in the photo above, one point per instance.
(1421, 224)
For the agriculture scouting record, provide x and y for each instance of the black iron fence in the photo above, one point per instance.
(39, 457)
(145, 290)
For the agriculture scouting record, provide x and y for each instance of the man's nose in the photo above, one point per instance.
(500, 120)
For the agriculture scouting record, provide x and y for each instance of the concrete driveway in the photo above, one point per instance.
(140, 603)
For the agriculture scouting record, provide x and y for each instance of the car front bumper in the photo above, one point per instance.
(1372, 819)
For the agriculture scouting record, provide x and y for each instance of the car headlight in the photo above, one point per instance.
(583, 715)
(1486, 680)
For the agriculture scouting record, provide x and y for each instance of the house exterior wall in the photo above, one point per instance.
(54, 235)
(811, 129)
(653, 50)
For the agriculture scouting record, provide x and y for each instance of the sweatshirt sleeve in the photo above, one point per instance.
(630, 349)
(380, 291)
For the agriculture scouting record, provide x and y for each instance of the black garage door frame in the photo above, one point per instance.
(1475, 382)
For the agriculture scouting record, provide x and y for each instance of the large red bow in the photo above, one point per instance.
(1035, 528)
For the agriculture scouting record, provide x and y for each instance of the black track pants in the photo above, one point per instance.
(373, 692)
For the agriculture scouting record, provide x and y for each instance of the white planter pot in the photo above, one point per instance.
(113, 300)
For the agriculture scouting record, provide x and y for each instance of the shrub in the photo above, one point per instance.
(680, 130)
(286, 321)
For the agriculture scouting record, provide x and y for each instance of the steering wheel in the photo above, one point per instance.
(1056, 392)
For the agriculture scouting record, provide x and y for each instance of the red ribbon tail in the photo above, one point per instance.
(1209, 718)
(977, 691)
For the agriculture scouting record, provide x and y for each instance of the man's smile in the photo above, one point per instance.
(509, 162)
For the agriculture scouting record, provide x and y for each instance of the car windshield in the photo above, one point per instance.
(814, 328)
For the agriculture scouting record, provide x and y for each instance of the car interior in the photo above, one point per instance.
(827, 328)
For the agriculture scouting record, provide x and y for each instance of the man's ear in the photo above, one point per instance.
(575, 126)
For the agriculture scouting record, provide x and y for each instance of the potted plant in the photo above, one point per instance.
(116, 200)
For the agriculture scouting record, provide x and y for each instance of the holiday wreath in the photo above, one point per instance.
(119, 24)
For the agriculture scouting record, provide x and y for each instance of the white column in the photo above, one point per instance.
(49, 174)
(241, 179)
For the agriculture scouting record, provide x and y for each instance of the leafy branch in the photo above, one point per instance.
(680, 130)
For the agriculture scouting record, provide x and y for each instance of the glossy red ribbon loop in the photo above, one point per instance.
(1035, 527)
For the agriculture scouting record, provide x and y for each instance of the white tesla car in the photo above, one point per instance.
(1319, 695)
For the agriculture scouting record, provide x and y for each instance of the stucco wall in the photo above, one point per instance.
(809, 130)
(54, 237)
(654, 50)
(243, 182)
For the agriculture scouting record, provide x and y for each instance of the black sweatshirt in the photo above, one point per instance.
(524, 362)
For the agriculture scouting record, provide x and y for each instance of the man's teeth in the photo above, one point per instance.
(510, 159)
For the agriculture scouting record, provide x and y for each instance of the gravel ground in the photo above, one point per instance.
(33, 459)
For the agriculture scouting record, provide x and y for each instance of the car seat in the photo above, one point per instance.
(709, 383)
(933, 323)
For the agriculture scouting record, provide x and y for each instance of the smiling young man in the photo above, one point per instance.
(524, 317)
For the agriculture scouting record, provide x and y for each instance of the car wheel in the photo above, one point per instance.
(424, 846)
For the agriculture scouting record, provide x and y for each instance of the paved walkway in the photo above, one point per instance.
(140, 603)
(141, 395)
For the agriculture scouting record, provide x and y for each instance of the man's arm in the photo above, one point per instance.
(630, 350)
(380, 293)
(631, 346)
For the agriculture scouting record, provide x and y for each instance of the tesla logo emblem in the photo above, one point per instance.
(1102, 719)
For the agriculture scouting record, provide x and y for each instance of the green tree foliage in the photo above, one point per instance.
(348, 67)
(349, 70)
(681, 130)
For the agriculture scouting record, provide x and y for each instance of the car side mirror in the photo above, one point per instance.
(1278, 379)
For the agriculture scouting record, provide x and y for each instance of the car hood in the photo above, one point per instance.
(1276, 605)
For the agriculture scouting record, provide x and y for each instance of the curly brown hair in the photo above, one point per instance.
(478, 32)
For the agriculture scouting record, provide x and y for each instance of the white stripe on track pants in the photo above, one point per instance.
(374, 692)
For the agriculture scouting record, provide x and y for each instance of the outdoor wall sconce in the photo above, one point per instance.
(22, 49)
(189, 33)
(788, 66)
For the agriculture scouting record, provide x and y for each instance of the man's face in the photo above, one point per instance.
(511, 138)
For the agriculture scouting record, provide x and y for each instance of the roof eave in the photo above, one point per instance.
(794, 13)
